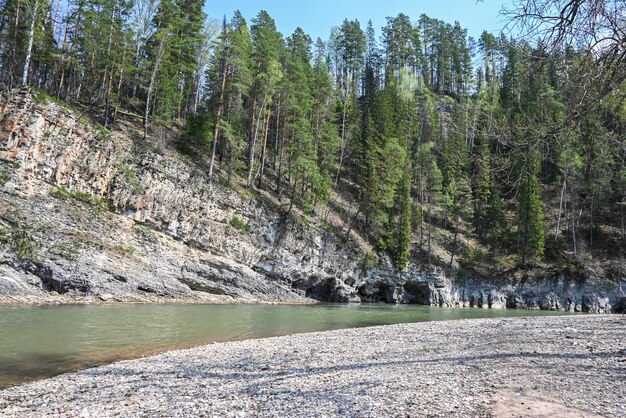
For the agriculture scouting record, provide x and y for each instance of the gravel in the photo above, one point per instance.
(543, 366)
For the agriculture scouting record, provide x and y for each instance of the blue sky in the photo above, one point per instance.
(316, 17)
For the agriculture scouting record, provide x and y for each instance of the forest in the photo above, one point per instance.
(517, 139)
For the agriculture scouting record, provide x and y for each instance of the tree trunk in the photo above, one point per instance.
(55, 20)
(62, 64)
(107, 79)
(277, 131)
(218, 118)
(11, 46)
(558, 221)
(251, 150)
(121, 79)
(293, 195)
(430, 227)
(280, 157)
(573, 226)
(454, 243)
(137, 62)
(262, 168)
(31, 39)
(155, 71)
(343, 144)
(421, 221)
(623, 223)
(591, 220)
(107, 107)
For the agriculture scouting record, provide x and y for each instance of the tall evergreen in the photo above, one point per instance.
(530, 223)
(267, 43)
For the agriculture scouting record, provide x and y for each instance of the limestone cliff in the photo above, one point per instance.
(90, 214)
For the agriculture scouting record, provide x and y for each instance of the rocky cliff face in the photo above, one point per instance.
(85, 213)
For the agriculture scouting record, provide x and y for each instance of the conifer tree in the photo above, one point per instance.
(428, 180)
(266, 48)
(530, 224)
(401, 244)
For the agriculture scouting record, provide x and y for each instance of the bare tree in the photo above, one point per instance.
(597, 27)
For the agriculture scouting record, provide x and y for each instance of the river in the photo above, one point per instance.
(43, 341)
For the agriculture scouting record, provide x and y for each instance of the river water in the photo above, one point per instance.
(44, 341)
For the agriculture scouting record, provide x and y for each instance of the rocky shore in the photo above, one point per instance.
(546, 366)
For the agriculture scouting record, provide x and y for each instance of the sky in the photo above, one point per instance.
(316, 17)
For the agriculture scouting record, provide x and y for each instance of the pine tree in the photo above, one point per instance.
(494, 222)
(428, 180)
(266, 46)
(530, 224)
(459, 206)
(401, 244)
(172, 51)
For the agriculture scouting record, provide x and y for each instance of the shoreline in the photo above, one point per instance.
(60, 300)
(67, 300)
(562, 365)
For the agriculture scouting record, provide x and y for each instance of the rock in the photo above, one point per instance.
(14, 284)
(342, 293)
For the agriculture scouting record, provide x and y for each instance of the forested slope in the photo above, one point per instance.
(490, 157)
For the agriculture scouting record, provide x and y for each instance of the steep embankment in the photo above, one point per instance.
(89, 213)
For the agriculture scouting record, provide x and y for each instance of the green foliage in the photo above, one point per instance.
(327, 226)
(427, 176)
(124, 250)
(554, 248)
(130, 178)
(474, 257)
(401, 238)
(369, 261)
(172, 54)
(62, 193)
(65, 250)
(530, 224)
(144, 232)
(458, 198)
(240, 224)
(85, 197)
(494, 221)
(5, 172)
(4, 234)
(41, 96)
(20, 238)
(245, 192)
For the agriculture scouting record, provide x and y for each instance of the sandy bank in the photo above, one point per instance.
(546, 366)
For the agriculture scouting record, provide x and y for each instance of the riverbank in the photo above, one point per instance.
(137, 299)
(555, 366)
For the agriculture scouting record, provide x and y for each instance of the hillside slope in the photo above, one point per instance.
(87, 213)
